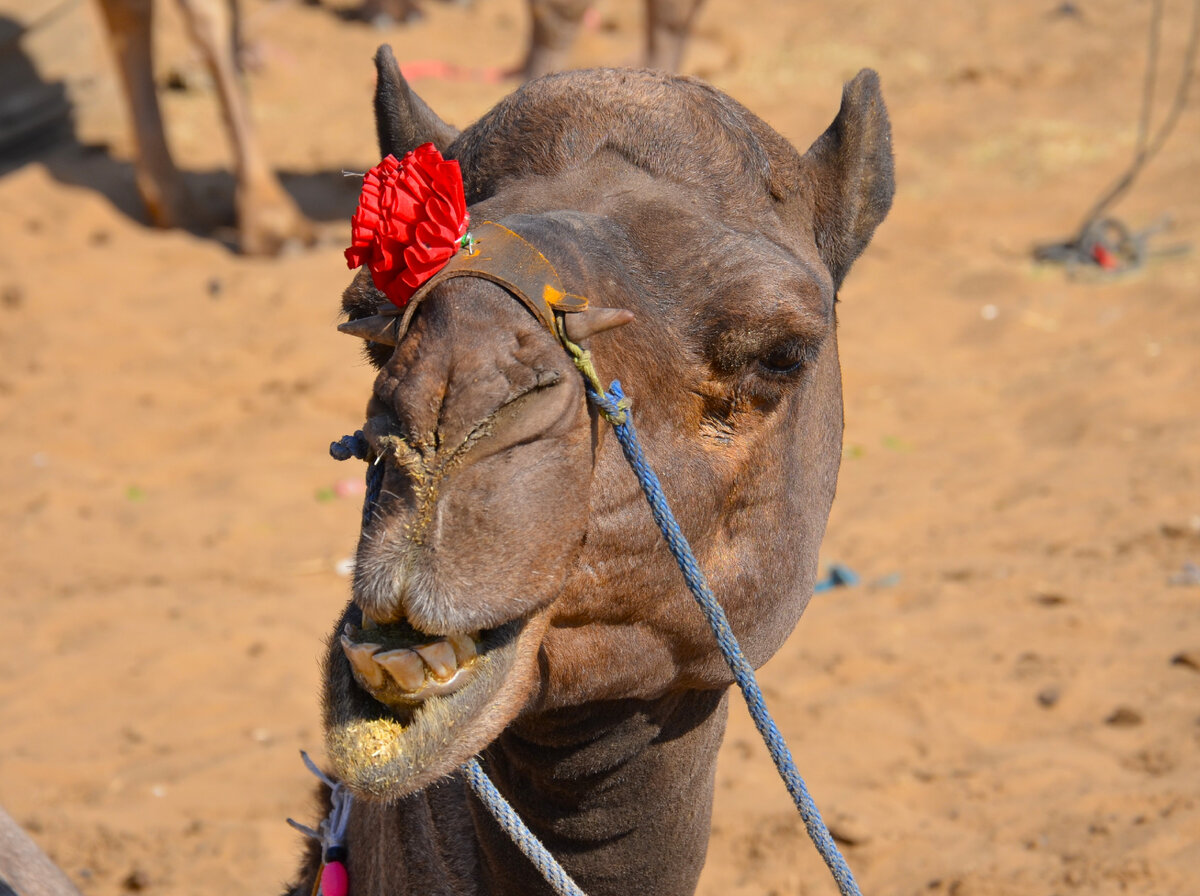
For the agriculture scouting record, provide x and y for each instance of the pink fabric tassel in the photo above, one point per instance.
(334, 880)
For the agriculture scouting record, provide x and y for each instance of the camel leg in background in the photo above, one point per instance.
(25, 869)
(267, 217)
(555, 24)
(383, 13)
(668, 24)
(159, 182)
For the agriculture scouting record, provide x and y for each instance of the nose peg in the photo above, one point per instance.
(377, 328)
(582, 324)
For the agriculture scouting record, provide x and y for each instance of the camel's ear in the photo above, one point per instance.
(850, 175)
(402, 119)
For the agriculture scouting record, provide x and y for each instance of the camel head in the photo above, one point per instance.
(510, 566)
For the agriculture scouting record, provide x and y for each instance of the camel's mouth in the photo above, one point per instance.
(406, 708)
(402, 667)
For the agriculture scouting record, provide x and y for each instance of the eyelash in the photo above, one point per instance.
(791, 358)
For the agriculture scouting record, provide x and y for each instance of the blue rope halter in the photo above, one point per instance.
(614, 407)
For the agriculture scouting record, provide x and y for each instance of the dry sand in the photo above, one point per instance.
(1008, 704)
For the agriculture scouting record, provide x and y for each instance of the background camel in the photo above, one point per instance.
(554, 25)
(267, 217)
(1017, 489)
(511, 592)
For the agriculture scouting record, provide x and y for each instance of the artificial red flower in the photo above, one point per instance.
(411, 218)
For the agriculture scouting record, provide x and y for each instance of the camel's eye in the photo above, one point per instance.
(785, 359)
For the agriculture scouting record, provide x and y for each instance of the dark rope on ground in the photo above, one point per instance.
(1104, 241)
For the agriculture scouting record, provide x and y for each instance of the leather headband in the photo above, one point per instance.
(508, 259)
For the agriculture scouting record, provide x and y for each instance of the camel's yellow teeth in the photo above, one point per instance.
(361, 658)
(404, 666)
(368, 623)
(441, 659)
(464, 647)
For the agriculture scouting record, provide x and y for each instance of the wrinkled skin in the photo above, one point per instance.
(508, 516)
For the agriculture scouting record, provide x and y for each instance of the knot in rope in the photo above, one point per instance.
(357, 446)
(612, 410)
(350, 446)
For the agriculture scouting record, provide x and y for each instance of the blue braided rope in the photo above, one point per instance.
(743, 672)
(357, 446)
(524, 838)
(350, 446)
(615, 408)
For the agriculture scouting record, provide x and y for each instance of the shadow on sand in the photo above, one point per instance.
(36, 125)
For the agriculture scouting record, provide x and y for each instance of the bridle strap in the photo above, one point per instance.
(506, 258)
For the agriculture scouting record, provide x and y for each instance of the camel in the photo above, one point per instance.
(512, 598)
(268, 220)
(555, 23)
(267, 217)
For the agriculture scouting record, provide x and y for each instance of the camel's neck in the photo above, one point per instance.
(620, 794)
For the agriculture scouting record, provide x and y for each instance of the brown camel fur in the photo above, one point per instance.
(267, 218)
(511, 548)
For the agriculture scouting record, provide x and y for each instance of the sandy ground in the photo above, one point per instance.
(1008, 704)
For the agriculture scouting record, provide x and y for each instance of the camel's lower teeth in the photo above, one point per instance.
(439, 657)
(361, 657)
(417, 668)
(404, 666)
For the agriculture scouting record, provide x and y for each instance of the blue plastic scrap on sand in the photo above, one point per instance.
(838, 576)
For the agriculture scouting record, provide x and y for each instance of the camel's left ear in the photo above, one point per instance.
(850, 175)
(402, 119)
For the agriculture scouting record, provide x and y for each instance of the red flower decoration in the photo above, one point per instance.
(411, 217)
